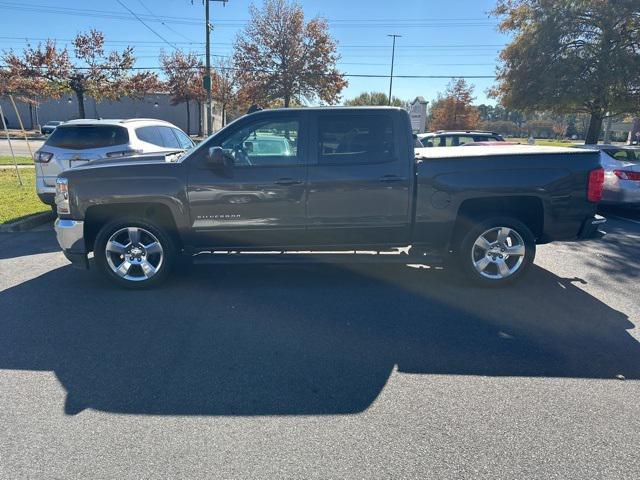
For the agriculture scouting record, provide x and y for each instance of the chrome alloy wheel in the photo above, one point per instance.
(498, 253)
(134, 254)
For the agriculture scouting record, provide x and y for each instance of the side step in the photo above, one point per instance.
(305, 257)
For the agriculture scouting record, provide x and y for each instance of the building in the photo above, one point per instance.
(155, 105)
(418, 113)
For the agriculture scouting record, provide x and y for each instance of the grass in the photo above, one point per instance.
(546, 142)
(19, 201)
(8, 160)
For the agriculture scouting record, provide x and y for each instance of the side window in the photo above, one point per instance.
(169, 140)
(466, 139)
(150, 135)
(266, 143)
(442, 141)
(183, 139)
(349, 139)
(450, 141)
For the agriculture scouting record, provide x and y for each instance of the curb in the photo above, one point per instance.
(28, 223)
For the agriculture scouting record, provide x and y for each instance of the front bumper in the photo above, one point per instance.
(70, 235)
(590, 227)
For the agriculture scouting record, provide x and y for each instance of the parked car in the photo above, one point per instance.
(49, 127)
(80, 141)
(447, 138)
(348, 182)
(621, 174)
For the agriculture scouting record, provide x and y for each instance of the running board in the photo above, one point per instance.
(289, 257)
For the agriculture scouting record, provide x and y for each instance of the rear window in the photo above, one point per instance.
(624, 155)
(86, 137)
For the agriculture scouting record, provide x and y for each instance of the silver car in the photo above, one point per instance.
(80, 141)
(621, 174)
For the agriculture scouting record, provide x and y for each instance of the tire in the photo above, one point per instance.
(144, 262)
(496, 251)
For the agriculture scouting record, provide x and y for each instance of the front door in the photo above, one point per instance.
(260, 198)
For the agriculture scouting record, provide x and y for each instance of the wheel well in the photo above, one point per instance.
(96, 217)
(529, 210)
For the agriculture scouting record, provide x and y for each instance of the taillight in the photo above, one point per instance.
(627, 175)
(596, 184)
(42, 157)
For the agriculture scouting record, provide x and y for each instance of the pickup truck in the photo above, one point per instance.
(328, 185)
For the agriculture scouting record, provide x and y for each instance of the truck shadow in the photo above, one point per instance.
(258, 340)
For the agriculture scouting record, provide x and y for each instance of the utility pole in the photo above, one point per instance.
(207, 78)
(393, 56)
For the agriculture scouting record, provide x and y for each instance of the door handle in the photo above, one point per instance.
(286, 182)
(391, 179)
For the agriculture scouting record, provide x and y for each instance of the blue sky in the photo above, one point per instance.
(453, 37)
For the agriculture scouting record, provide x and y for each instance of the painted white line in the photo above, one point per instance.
(623, 218)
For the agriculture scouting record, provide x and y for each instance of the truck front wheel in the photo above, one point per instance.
(134, 253)
(497, 251)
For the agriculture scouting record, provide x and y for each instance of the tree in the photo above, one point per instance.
(98, 73)
(571, 56)
(503, 127)
(225, 86)
(184, 72)
(453, 110)
(280, 56)
(375, 99)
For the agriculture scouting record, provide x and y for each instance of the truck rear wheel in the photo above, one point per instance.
(134, 253)
(497, 251)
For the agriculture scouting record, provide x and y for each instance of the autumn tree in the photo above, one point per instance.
(225, 86)
(280, 56)
(374, 99)
(97, 73)
(571, 56)
(184, 73)
(453, 110)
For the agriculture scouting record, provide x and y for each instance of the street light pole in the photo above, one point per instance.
(393, 55)
(207, 78)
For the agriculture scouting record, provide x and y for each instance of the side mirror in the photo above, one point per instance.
(248, 146)
(217, 159)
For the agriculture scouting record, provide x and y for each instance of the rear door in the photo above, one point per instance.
(260, 200)
(360, 179)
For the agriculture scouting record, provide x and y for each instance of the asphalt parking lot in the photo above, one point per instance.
(323, 371)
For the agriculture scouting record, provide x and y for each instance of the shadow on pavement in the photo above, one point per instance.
(259, 340)
(21, 244)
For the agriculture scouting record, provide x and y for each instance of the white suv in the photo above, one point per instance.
(80, 141)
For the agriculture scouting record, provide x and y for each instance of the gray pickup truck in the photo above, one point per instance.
(328, 185)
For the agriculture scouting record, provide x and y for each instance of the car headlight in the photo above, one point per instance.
(62, 195)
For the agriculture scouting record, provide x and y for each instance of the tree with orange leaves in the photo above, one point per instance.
(454, 109)
(279, 56)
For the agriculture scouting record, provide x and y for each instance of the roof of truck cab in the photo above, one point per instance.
(338, 108)
(488, 150)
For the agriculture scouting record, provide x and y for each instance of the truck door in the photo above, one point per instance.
(259, 200)
(359, 179)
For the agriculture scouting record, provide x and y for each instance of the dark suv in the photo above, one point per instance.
(449, 138)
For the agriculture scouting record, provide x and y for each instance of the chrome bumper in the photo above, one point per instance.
(70, 235)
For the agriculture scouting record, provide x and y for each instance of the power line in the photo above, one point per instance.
(151, 29)
(163, 22)
(234, 23)
(352, 75)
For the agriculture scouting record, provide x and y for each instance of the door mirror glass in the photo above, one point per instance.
(219, 159)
